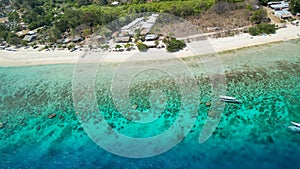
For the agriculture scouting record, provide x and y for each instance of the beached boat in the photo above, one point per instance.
(229, 99)
(295, 127)
(295, 124)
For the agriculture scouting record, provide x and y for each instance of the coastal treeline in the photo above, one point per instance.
(95, 14)
(53, 18)
(38, 13)
(262, 28)
(56, 18)
(59, 16)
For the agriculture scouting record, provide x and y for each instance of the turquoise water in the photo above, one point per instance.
(253, 134)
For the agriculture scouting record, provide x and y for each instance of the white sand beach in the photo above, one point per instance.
(22, 57)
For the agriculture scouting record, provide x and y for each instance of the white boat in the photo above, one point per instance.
(295, 124)
(229, 99)
(294, 128)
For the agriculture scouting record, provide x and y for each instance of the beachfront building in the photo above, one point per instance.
(150, 44)
(280, 9)
(29, 38)
(151, 40)
(77, 39)
(114, 3)
(139, 24)
(151, 37)
(132, 26)
(22, 34)
(277, 6)
(129, 30)
(122, 39)
(283, 14)
(146, 27)
(295, 22)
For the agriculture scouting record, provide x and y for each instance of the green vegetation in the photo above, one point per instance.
(141, 46)
(8, 36)
(66, 18)
(128, 45)
(71, 46)
(94, 14)
(13, 17)
(295, 6)
(258, 16)
(68, 14)
(174, 45)
(262, 28)
(118, 46)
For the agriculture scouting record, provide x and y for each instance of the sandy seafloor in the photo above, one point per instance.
(253, 134)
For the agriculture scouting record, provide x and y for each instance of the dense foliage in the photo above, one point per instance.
(8, 36)
(141, 46)
(84, 17)
(258, 16)
(262, 28)
(76, 12)
(295, 6)
(174, 45)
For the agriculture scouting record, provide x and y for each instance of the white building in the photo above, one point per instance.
(132, 26)
(115, 3)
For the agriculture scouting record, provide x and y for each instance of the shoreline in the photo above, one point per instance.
(197, 48)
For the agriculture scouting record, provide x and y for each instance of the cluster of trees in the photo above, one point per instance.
(89, 15)
(14, 17)
(8, 36)
(38, 13)
(258, 16)
(262, 28)
(94, 15)
(141, 46)
(59, 16)
(295, 6)
(35, 13)
(174, 45)
(180, 8)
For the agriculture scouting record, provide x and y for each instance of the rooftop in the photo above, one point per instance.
(282, 13)
(115, 3)
(29, 38)
(122, 39)
(150, 37)
(132, 24)
(281, 5)
(22, 33)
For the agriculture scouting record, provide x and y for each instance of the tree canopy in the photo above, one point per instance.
(59, 16)
(262, 28)
(174, 45)
(295, 6)
(258, 16)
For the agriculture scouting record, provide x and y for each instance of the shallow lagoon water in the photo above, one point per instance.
(252, 134)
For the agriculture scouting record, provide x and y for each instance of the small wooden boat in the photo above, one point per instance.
(294, 128)
(229, 99)
(295, 124)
